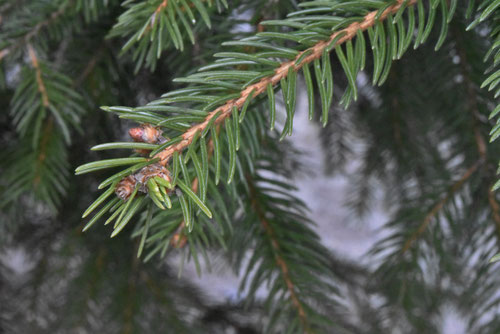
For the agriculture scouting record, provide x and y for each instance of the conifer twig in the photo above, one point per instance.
(89, 67)
(279, 259)
(41, 85)
(50, 122)
(439, 205)
(165, 3)
(33, 32)
(157, 11)
(42, 154)
(478, 137)
(161, 6)
(280, 73)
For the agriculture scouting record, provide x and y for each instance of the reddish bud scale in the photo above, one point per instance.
(146, 134)
(136, 134)
(125, 187)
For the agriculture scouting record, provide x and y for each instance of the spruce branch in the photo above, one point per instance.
(303, 58)
(439, 205)
(280, 262)
(459, 218)
(89, 67)
(152, 27)
(26, 38)
(57, 97)
(220, 98)
(42, 153)
(39, 80)
(152, 19)
(163, 5)
(487, 12)
(473, 107)
(285, 253)
(44, 108)
(49, 122)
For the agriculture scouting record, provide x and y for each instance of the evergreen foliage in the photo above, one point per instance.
(208, 90)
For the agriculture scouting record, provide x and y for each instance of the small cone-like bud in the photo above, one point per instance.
(125, 187)
(151, 171)
(146, 134)
(136, 134)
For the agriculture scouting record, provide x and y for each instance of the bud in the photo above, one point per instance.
(151, 171)
(125, 187)
(146, 133)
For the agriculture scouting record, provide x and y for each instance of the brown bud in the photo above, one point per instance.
(151, 171)
(146, 134)
(125, 187)
(136, 134)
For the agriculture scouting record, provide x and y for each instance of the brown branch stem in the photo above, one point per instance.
(278, 258)
(42, 153)
(89, 67)
(439, 205)
(38, 72)
(157, 11)
(280, 73)
(161, 6)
